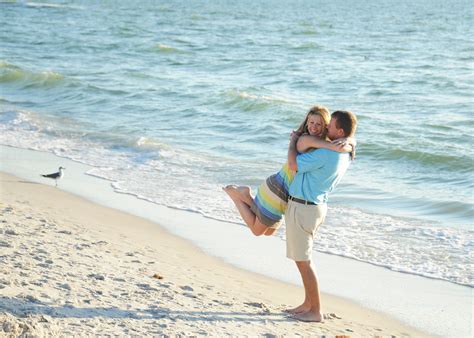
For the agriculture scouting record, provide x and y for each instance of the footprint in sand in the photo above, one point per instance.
(331, 316)
(45, 295)
(81, 246)
(146, 287)
(222, 302)
(44, 265)
(167, 295)
(100, 243)
(165, 285)
(261, 306)
(186, 288)
(36, 257)
(4, 281)
(5, 244)
(65, 286)
(96, 276)
(35, 282)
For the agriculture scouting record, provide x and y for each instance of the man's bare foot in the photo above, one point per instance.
(299, 309)
(309, 316)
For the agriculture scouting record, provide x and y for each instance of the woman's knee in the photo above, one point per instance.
(258, 228)
(258, 231)
(269, 232)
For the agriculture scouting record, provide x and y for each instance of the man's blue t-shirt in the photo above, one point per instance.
(319, 171)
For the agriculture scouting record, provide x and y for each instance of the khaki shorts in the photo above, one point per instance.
(302, 222)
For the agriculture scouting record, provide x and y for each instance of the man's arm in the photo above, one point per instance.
(292, 152)
(306, 142)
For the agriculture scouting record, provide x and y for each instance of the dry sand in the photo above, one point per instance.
(71, 267)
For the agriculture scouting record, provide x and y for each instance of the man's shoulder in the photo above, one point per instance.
(334, 156)
(327, 153)
(321, 152)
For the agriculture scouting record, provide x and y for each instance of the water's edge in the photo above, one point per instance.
(367, 287)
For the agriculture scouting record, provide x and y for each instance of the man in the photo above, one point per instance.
(317, 174)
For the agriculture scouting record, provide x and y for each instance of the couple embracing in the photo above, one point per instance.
(319, 153)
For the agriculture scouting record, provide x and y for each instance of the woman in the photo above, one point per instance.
(263, 213)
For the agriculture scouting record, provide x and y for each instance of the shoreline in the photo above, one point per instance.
(192, 280)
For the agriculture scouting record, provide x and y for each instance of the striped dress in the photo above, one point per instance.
(272, 197)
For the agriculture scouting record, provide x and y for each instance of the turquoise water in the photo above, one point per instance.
(172, 101)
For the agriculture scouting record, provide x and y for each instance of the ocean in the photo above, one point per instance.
(170, 101)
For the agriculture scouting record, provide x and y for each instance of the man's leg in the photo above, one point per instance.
(310, 310)
(299, 242)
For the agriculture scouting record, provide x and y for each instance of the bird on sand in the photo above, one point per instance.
(56, 176)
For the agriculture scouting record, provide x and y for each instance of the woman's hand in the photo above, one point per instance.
(345, 141)
(294, 136)
(344, 145)
(292, 152)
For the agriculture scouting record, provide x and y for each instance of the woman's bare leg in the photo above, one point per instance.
(246, 213)
(245, 194)
(270, 231)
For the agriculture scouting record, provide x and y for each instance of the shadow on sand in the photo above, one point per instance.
(21, 308)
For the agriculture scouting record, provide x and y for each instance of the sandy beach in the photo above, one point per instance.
(71, 267)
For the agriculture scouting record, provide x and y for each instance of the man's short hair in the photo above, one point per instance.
(346, 121)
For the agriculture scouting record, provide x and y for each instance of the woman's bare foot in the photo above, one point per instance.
(299, 309)
(245, 194)
(239, 193)
(309, 316)
(231, 190)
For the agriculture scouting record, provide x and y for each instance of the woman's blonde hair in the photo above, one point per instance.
(316, 110)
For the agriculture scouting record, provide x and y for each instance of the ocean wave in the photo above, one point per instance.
(10, 73)
(162, 48)
(180, 179)
(251, 102)
(308, 46)
(50, 5)
(308, 31)
(399, 244)
(458, 163)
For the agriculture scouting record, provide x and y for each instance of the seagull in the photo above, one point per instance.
(56, 176)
